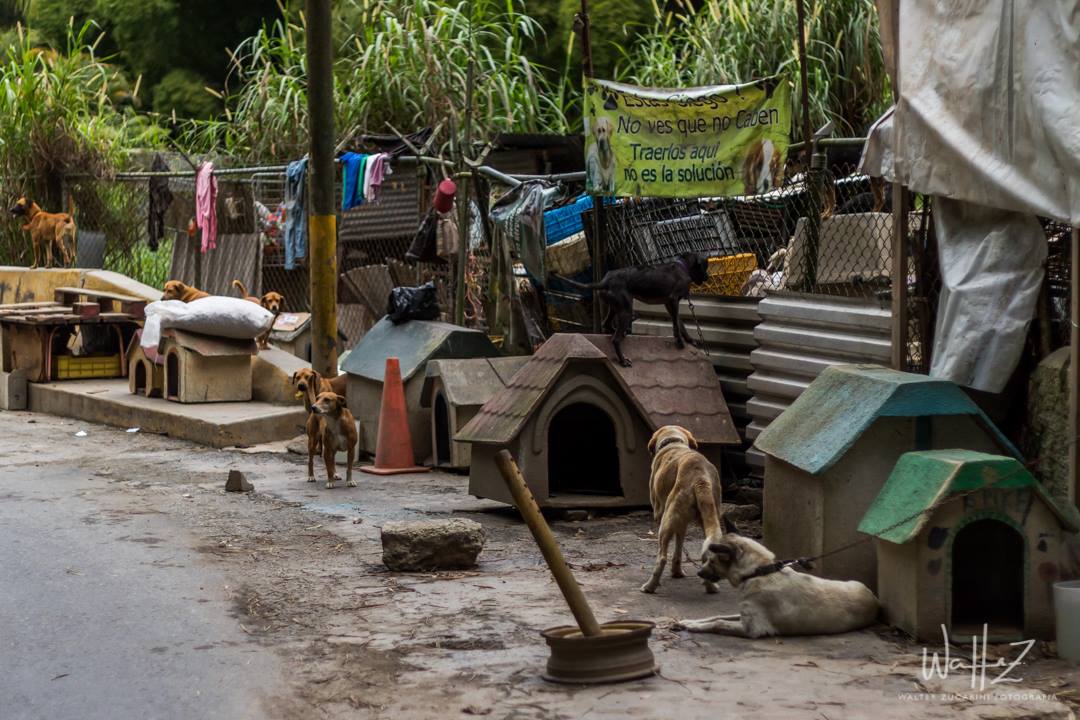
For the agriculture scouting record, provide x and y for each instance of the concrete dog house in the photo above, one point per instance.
(413, 343)
(829, 454)
(454, 391)
(578, 424)
(965, 538)
(146, 369)
(201, 368)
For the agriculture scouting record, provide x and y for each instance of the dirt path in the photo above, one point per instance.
(307, 585)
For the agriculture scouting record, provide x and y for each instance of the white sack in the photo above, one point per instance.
(991, 272)
(215, 315)
(989, 100)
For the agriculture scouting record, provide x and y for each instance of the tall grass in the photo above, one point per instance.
(728, 41)
(402, 62)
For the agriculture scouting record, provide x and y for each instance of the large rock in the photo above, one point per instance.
(424, 545)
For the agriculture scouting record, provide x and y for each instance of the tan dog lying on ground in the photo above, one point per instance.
(335, 429)
(48, 230)
(684, 487)
(272, 301)
(776, 600)
(176, 290)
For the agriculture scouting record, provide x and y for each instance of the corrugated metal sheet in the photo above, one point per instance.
(395, 216)
(727, 325)
(801, 335)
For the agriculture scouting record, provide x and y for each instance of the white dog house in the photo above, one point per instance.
(829, 454)
(966, 539)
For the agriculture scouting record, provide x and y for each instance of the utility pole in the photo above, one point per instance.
(599, 248)
(322, 222)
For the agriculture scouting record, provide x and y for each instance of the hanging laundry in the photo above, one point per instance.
(295, 215)
(376, 170)
(206, 205)
(520, 215)
(352, 179)
(160, 200)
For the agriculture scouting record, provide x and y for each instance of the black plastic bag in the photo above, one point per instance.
(413, 303)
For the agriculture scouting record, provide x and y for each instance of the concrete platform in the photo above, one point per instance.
(215, 424)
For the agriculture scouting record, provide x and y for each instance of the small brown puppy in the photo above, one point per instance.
(336, 430)
(272, 301)
(176, 290)
(48, 230)
(684, 487)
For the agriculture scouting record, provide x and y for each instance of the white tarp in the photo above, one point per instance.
(990, 96)
(991, 272)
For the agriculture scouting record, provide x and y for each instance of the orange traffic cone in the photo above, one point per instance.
(393, 449)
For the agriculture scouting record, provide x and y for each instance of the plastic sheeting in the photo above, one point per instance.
(217, 316)
(991, 271)
(989, 103)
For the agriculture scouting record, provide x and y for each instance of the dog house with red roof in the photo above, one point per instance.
(578, 423)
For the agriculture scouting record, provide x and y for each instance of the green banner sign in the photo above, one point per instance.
(694, 142)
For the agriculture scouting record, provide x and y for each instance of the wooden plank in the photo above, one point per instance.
(16, 306)
(35, 311)
(86, 309)
(86, 292)
(901, 205)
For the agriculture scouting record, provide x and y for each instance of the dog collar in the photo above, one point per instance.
(668, 441)
(776, 567)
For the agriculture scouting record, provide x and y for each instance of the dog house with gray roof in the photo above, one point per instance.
(454, 391)
(578, 423)
(413, 343)
(829, 454)
(966, 539)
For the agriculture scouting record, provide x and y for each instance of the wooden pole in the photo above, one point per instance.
(599, 248)
(530, 512)
(901, 209)
(322, 222)
(1074, 367)
(800, 13)
(462, 200)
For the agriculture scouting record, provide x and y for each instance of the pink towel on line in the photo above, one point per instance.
(378, 167)
(206, 205)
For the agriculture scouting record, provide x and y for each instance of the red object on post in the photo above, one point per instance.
(444, 196)
(393, 447)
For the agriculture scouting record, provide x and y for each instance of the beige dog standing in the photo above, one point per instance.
(775, 600)
(684, 487)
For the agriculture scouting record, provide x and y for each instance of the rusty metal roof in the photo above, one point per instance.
(666, 385)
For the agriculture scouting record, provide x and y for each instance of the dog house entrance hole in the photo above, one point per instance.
(172, 376)
(442, 430)
(583, 457)
(140, 377)
(988, 579)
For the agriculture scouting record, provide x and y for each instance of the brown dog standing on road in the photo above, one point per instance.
(47, 230)
(683, 487)
(176, 290)
(272, 301)
(336, 430)
(309, 384)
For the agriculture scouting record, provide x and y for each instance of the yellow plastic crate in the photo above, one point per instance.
(727, 274)
(69, 367)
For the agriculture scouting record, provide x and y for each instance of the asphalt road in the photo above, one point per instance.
(107, 611)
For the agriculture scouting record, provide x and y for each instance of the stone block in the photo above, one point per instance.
(425, 545)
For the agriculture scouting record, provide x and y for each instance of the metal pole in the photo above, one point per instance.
(801, 17)
(599, 226)
(322, 223)
(1074, 367)
(462, 199)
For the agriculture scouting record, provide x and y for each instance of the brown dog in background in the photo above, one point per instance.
(683, 487)
(176, 290)
(48, 230)
(272, 301)
(335, 429)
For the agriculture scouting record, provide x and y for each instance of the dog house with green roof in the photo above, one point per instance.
(965, 539)
(829, 454)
